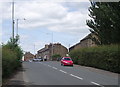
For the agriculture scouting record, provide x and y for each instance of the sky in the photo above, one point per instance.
(46, 22)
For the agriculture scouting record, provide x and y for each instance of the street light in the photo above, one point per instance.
(52, 43)
(17, 20)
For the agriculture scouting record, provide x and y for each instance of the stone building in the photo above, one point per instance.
(28, 56)
(52, 49)
(85, 42)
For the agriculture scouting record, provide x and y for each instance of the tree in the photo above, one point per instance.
(14, 46)
(105, 22)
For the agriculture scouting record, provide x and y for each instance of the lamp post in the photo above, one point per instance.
(17, 22)
(52, 44)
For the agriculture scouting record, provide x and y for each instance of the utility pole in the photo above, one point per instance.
(52, 46)
(17, 27)
(68, 48)
(52, 43)
(13, 21)
(52, 52)
(34, 48)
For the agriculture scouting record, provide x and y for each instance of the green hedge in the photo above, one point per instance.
(103, 57)
(56, 56)
(10, 62)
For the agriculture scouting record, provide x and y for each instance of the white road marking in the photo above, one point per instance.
(76, 77)
(62, 71)
(54, 67)
(95, 83)
(49, 66)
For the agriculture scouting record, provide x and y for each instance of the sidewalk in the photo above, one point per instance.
(16, 80)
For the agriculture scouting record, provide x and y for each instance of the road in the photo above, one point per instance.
(52, 73)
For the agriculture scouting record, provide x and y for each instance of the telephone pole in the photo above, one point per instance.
(13, 20)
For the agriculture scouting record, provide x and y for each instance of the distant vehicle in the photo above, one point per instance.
(59, 59)
(45, 59)
(66, 61)
(37, 59)
(30, 60)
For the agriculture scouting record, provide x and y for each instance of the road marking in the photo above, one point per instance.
(49, 66)
(76, 77)
(54, 67)
(62, 71)
(95, 83)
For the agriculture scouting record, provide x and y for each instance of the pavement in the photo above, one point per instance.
(51, 73)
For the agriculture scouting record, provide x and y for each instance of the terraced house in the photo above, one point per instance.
(85, 42)
(52, 49)
(28, 56)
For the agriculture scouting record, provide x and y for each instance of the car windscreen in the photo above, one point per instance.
(67, 59)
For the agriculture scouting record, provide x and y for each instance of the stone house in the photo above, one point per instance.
(28, 56)
(52, 49)
(85, 42)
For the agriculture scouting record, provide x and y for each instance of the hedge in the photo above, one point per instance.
(103, 57)
(56, 56)
(10, 62)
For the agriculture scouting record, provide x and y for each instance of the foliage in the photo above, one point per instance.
(103, 57)
(55, 56)
(104, 22)
(11, 56)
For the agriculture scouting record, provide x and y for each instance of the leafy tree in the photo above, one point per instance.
(104, 22)
(14, 46)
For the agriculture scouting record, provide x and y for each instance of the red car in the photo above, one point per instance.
(66, 61)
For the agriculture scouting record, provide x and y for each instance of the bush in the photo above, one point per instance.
(56, 56)
(103, 57)
(11, 56)
(9, 62)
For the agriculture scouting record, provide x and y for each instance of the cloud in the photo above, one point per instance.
(74, 22)
(58, 17)
(51, 15)
(30, 47)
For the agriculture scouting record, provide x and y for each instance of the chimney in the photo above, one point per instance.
(46, 46)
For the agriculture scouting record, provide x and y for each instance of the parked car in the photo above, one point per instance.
(41, 59)
(59, 59)
(30, 60)
(37, 59)
(45, 59)
(66, 61)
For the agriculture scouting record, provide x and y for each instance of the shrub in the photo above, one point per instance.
(55, 56)
(11, 56)
(103, 57)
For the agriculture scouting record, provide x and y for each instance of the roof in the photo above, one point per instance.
(28, 53)
(87, 37)
(43, 49)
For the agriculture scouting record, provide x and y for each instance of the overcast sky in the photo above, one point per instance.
(66, 20)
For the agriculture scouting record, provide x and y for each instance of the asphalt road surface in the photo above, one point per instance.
(52, 73)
